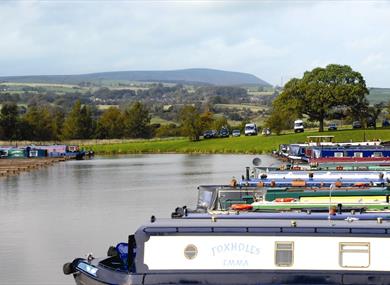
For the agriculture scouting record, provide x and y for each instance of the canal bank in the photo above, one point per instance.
(233, 145)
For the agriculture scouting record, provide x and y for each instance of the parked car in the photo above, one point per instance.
(224, 133)
(266, 132)
(356, 125)
(209, 134)
(371, 124)
(236, 133)
(332, 127)
(385, 123)
(298, 126)
(250, 129)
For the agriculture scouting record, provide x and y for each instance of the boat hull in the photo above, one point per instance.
(249, 277)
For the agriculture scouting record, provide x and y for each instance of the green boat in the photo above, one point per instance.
(288, 198)
(379, 193)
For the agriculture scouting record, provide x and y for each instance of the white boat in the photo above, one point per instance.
(237, 249)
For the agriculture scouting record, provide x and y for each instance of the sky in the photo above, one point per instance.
(274, 40)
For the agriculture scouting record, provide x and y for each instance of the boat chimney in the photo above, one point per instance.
(247, 173)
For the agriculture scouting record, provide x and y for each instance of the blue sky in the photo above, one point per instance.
(275, 40)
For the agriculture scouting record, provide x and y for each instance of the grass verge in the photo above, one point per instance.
(255, 144)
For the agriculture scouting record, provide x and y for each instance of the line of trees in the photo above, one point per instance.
(48, 123)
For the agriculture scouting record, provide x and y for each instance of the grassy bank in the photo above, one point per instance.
(258, 144)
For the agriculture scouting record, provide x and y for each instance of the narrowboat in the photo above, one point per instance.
(227, 198)
(272, 248)
(296, 178)
(12, 152)
(300, 152)
(328, 166)
(350, 151)
(349, 160)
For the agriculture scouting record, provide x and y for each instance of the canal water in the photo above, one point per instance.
(50, 216)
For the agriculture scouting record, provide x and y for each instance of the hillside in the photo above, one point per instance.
(378, 95)
(189, 76)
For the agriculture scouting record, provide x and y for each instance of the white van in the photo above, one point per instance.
(250, 129)
(298, 126)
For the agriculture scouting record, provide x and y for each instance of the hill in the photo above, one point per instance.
(185, 76)
(378, 95)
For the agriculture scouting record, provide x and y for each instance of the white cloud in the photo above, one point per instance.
(269, 39)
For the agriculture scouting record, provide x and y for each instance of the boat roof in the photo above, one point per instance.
(340, 223)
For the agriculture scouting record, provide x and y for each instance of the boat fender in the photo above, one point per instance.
(233, 182)
(381, 175)
(311, 175)
(68, 268)
(273, 183)
(339, 167)
(263, 176)
(112, 251)
(360, 184)
(332, 211)
(152, 219)
(241, 207)
(260, 184)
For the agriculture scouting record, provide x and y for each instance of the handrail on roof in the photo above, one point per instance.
(320, 138)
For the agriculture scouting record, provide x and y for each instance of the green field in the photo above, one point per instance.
(253, 108)
(256, 144)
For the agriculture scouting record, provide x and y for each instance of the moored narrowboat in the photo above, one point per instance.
(279, 249)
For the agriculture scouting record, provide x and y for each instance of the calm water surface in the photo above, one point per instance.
(50, 216)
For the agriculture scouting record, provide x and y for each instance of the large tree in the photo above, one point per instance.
(191, 122)
(322, 89)
(78, 123)
(110, 124)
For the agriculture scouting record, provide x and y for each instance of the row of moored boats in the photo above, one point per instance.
(319, 224)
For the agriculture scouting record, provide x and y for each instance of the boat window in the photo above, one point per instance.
(284, 253)
(338, 154)
(377, 154)
(358, 154)
(354, 254)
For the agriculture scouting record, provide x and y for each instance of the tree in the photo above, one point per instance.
(191, 123)
(374, 112)
(137, 121)
(78, 123)
(9, 119)
(220, 122)
(110, 124)
(207, 120)
(40, 123)
(322, 89)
